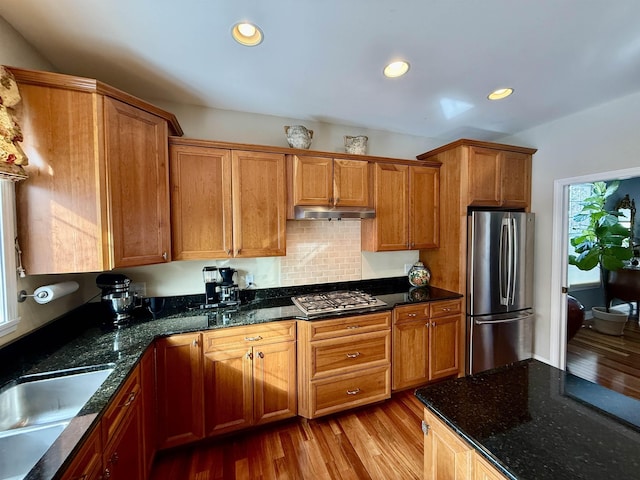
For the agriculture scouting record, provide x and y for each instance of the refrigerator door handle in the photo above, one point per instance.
(514, 263)
(504, 267)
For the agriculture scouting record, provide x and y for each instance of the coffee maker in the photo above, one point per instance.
(220, 292)
(115, 292)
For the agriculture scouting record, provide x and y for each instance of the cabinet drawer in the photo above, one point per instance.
(271, 332)
(445, 308)
(120, 406)
(346, 354)
(409, 313)
(351, 390)
(339, 327)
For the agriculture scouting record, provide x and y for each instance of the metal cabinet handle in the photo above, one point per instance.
(260, 355)
(353, 355)
(130, 399)
(228, 252)
(355, 391)
(446, 309)
(249, 355)
(252, 339)
(351, 327)
(164, 255)
(412, 314)
(433, 324)
(195, 343)
(107, 474)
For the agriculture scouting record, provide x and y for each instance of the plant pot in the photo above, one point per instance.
(611, 322)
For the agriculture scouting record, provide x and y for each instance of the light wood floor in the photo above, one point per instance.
(383, 441)
(610, 361)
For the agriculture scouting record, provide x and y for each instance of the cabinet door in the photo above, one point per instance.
(424, 185)
(390, 229)
(87, 464)
(180, 389)
(410, 353)
(123, 457)
(274, 382)
(149, 416)
(516, 179)
(228, 389)
(484, 177)
(138, 173)
(312, 180)
(351, 183)
(200, 202)
(446, 456)
(482, 470)
(259, 204)
(444, 341)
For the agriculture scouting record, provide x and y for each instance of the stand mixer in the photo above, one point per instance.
(115, 292)
(221, 292)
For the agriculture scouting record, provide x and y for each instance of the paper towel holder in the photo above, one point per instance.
(44, 296)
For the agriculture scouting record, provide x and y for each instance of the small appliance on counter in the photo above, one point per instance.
(220, 292)
(115, 292)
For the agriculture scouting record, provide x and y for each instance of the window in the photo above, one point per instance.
(8, 277)
(577, 193)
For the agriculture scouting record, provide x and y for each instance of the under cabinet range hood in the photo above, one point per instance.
(332, 213)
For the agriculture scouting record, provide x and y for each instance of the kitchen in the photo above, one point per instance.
(588, 136)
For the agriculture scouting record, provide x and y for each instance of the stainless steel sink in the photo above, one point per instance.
(20, 449)
(35, 411)
(50, 400)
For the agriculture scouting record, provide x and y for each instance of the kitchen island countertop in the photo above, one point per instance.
(93, 340)
(526, 419)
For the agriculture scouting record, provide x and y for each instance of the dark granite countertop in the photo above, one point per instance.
(527, 423)
(87, 337)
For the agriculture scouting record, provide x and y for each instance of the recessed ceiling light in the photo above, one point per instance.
(396, 69)
(500, 93)
(247, 34)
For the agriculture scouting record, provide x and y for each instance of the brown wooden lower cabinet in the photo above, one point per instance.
(426, 342)
(87, 464)
(343, 363)
(149, 416)
(123, 457)
(250, 376)
(449, 457)
(180, 389)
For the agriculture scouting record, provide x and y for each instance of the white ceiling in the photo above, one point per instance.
(322, 60)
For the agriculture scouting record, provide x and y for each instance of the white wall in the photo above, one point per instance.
(600, 139)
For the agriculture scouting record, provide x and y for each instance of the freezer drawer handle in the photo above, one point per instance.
(506, 320)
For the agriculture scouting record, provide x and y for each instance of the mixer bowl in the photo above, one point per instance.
(121, 304)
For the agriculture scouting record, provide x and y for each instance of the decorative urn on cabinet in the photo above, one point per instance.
(419, 275)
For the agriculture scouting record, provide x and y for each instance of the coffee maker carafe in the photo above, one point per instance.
(115, 292)
(228, 289)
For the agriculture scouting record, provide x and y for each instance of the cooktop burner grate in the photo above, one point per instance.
(335, 302)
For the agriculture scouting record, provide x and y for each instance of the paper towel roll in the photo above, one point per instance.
(46, 293)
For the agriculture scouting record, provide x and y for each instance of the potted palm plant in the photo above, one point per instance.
(604, 242)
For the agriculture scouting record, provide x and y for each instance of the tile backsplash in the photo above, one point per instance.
(321, 252)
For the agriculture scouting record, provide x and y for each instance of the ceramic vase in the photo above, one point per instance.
(356, 145)
(298, 136)
(419, 275)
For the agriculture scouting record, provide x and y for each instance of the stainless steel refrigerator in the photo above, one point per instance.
(500, 313)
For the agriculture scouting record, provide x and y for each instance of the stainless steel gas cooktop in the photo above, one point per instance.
(335, 302)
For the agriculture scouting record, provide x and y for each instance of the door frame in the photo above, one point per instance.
(559, 255)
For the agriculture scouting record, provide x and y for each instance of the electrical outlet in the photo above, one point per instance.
(249, 279)
(407, 267)
(138, 288)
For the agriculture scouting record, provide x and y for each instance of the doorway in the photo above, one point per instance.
(560, 254)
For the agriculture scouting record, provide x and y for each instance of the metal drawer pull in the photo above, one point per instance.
(260, 354)
(130, 399)
(351, 327)
(412, 314)
(353, 392)
(252, 339)
(353, 355)
(446, 309)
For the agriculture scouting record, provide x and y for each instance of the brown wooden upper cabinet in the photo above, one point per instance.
(407, 203)
(97, 196)
(323, 181)
(226, 202)
(498, 178)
